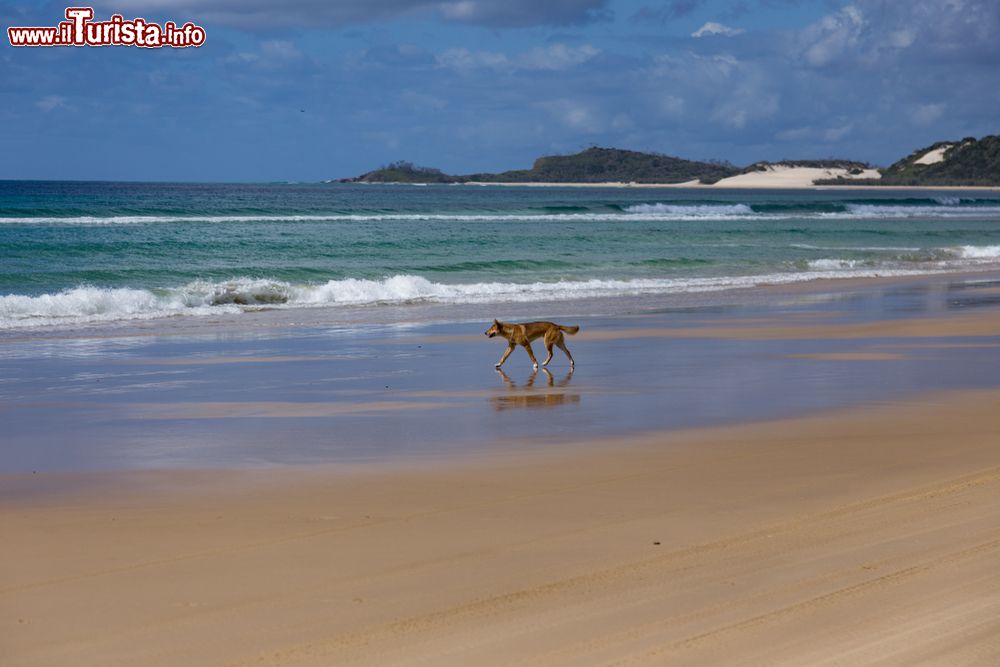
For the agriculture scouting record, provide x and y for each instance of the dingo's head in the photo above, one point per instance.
(493, 330)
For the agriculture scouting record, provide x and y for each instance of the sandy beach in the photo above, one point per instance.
(859, 526)
(865, 536)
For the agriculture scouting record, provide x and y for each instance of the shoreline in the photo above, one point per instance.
(443, 313)
(228, 394)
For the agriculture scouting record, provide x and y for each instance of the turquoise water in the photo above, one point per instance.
(75, 253)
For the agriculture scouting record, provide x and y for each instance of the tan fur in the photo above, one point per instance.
(524, 333)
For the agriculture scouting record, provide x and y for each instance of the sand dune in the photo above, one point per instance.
(781, 176)
(933, 156)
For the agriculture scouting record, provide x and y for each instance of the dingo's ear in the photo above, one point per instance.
(496, 322)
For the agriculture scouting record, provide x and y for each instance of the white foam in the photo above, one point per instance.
(860, 248)
(701, 210)
(948, 208)
(86, 305)
(988, 252)
(833, 264)
(873, 211)
(636, 212)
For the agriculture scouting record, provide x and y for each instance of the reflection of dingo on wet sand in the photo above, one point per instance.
(531, 399)
(523, 334)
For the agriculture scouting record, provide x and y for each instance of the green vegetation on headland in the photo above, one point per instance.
(969, 162)
(402, 172)
(594, 165)
(612, 165)
(966, 162)
(851, 166)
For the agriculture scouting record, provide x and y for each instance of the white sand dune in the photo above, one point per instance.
(934, 156)
(781, 176)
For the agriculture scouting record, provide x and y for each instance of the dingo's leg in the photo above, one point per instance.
(506, 353)
(534, 362)
(562, 346)
(548, 348)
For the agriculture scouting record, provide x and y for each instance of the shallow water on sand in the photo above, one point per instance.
(321, 394)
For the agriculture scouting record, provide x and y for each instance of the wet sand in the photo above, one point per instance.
(299, 388)
(976, 325)
(811, 481)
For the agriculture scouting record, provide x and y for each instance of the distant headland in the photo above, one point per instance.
(968, 162)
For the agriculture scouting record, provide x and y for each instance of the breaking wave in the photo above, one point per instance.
(951, 210)
(635, 212)
(690, 210)
(89, 304)
(86, 304)
(988, 252)
(941, 207)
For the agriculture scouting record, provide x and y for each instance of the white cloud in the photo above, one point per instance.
(622, 122)
(422, 101)
(460, 11)
(838, 133)
(874, 32)
(464, 59)
(812, 134)
(580, 118)
(242, 57)
(719, 88)
(279, 49)
(902, 38)
(268, 14)
(51, 102)
(512, 13)
(271, 54)
(576, 116)
(750, 99)
(794, 134)
(713, 29)
(671, 105)
(555, 57)
(925, 114)
(833, 35)
(383, 138)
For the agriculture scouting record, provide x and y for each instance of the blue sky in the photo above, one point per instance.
(314, 89)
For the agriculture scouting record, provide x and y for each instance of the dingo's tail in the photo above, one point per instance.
(569, 330)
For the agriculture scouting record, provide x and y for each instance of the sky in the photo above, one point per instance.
(306, 90)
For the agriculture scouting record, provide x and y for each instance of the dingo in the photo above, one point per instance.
(523, 334)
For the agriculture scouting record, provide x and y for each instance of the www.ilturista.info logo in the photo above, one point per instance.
(79, 29)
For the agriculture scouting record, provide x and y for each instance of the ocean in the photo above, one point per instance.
(78, 253)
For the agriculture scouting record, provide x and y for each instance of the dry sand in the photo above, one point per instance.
(868, 536)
